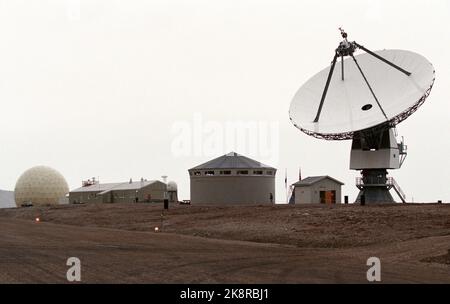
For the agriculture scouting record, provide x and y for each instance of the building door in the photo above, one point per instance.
(322, 197)
(332, 196)
(328, 197)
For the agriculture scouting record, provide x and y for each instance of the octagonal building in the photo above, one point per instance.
(232, 179)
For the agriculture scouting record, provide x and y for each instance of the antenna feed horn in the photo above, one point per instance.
(343, 33)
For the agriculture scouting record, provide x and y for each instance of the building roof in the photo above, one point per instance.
(106, 187)
(232, 160)
(134, 185)
(314, 179)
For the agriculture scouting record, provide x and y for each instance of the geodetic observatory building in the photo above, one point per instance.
(232, 179)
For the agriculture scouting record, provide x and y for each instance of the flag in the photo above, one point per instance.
(285, 185)
(285, 178)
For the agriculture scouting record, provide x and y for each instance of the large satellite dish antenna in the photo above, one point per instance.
(363, 100)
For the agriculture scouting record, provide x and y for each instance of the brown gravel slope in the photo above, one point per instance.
(310, 226)
(232, 244)
(37, 253)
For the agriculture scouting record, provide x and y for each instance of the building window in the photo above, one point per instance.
(209, 172)
(196, 173)
(257, 172)
(242, 172)
(226, 172)
(269, 172)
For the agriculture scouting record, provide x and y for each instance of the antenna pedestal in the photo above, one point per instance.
(374, 151)
(374, 185)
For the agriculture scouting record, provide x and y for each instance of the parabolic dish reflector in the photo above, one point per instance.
(349, 105)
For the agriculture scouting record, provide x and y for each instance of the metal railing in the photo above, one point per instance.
(389, 182)
(397, 188)
(371, 181)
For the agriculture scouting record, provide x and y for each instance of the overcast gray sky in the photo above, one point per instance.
(110, 88)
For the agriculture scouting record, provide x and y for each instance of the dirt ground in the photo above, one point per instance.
(226, 244)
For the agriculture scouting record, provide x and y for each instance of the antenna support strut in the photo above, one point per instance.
(347, 48)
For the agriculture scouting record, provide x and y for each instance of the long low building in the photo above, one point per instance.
(7, 199)
(128, 192)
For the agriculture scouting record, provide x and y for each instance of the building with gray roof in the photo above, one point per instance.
(127, 192)
(232, 179)
(318, 190)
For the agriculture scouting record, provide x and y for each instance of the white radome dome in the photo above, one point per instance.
(172, 186)
(40, 185)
